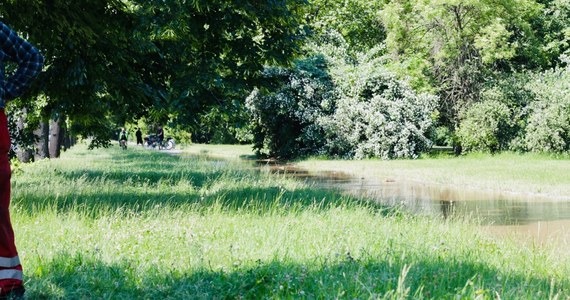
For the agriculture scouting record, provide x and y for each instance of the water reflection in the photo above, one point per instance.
(533, 219)
(488, 207)
(447, 208)
(538, 233)
(527, 217)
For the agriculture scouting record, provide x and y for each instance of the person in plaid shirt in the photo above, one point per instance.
(29, 64)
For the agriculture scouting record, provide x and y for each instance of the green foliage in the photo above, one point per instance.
(223, 125)
(498, 122)
(123, 60)
(285, 114)
(441, 136)
(377, 115)
(192, 64)
(95, 66)
(486, 126)
(555, 29)
(99, 130)
(523, 112)
(451, 46)
(358, 21)
(210, 54)
(548, 127)
(510, 89)
(22, 139)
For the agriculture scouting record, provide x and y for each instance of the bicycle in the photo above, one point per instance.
(123, 144)
(151, 142)
(169, 144)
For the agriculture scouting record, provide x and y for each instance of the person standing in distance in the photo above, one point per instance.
(139, 136)
(160, 137)
(29, 64)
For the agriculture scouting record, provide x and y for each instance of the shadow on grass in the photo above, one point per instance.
(144, 177)
(84, 276)
(257, 200)
(150, 168)
(139, 182)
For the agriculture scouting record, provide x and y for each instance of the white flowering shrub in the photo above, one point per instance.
(285, 113)
(548, 128)
(338, 104)
(377, 115)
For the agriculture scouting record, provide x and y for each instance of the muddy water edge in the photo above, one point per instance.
(528, 218)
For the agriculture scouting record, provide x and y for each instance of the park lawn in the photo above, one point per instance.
(536, 174)
(143, 224)
(229, 152)
(528, 173)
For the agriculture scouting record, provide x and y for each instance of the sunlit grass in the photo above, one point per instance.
(222, 151)
(136, 224)
(518, 173)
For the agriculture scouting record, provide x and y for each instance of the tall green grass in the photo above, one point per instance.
(136, 224)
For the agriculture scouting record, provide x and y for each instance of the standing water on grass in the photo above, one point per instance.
(529, 217)
(533, 216)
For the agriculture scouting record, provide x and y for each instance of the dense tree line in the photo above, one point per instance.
(353, 78)
(109, 62)
(497, 68)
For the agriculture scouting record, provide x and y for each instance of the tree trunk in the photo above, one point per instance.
(56, 137)
(67, 140)
(42, 134)
(24, 153)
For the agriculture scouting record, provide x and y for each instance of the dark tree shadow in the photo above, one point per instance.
(262, 200)
(76, 276)
(139, 168)
(145, 177)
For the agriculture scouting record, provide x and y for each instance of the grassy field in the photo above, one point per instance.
(509, 172)
(230, 152)
(140, 224)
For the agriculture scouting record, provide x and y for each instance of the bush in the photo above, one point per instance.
(358, 111)
(520, 112)
(285, 113)
(486, 126)
(377, 115)
(441, 136)
(548, 127)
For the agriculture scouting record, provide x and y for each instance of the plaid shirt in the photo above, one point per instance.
(29, 60)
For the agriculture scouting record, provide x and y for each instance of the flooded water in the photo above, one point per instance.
(529, 218)
(525, 216)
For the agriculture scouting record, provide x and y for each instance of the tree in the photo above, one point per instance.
(450, 45)
(212, 53)
(112, 61)
(358, 21)
(555, 29)
(92, 64)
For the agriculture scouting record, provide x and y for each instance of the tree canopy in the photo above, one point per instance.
(119, 60)
(193, 63)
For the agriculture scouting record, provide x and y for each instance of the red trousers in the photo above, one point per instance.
(10, 267)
